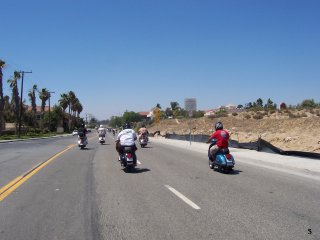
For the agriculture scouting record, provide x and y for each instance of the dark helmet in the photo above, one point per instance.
(126, 126)
(218, 126)
(82, 125)
(143, 125)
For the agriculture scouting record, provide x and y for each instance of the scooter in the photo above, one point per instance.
(143, 140)
(102, 138)
(128, 158)
(82, 142)
(223, 159)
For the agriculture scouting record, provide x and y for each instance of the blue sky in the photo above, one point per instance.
(132, 54)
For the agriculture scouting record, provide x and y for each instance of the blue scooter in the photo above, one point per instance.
(223, 160)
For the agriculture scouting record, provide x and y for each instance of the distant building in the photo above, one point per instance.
(210, 113)
(38, 110)
(230, 107)
(144, 115)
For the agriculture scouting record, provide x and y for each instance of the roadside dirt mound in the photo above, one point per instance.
(298, 131)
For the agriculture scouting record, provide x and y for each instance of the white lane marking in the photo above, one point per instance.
(138, 162)
(184, 198)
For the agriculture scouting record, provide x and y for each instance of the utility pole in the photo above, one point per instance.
(20, 110)
(49, 111)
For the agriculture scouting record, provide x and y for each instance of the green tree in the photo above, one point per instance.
(64, 101)
(2, 122)
(174, 105)
(72, 100)
(32, 97)
(308, 103)
(168, 112)
(248, 105)
(198, 114)
(116, 121)
(44, 96)
(56, 118)
(269, 104)
(78, 108)
(15, 99)
(130, 117)
(259, 102)
(31, 118)
(7, 111)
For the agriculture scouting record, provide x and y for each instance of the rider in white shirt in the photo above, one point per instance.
(102, 131)
(126, 137)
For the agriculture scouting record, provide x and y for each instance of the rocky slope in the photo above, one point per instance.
(288, 130)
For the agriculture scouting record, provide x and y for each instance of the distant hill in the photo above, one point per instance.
(287, 129)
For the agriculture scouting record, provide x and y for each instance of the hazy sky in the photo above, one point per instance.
(132, 54)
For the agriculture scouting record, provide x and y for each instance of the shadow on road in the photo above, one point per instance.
(86, 149)
(233, 172)
(137, 170)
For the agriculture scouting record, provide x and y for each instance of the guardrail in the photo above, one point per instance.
(259, 145)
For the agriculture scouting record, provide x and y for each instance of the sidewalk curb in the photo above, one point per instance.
(299, 166)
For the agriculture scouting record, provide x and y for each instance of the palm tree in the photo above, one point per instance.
(77, 107)
(44, 96)
(15, 100)
(7, 111)
(71, 98)
(64, 101)
(32, 97)
(2, 122)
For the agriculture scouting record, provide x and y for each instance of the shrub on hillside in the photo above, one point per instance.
(221, 113)
(234, 114)
(247, 116)
(272, 111)
(292, 115)
(308, 103)
(258, 116)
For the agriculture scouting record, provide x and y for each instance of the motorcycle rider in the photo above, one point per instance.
(221, 136)
(143, 132)
(82, 131)
(125, 138)
(102, 131)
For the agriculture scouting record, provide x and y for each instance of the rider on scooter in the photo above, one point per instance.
(126, 138)
(143, 132)
(221, 136)
(82, 131)
(102, 131)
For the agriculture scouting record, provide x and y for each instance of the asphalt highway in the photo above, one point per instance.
(50, 189)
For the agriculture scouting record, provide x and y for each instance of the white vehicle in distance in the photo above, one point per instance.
(75, 132)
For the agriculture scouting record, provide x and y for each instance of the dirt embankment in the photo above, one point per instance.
(298, 131)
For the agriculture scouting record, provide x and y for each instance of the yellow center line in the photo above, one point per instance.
(17, 182)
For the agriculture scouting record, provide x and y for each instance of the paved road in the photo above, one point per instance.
(84, 194)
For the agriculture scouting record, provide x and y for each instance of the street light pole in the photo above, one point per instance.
(20, 110)
(49, 111)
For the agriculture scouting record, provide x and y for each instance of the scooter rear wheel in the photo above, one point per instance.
(211, 165)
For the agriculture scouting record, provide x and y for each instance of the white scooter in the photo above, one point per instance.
(102, 138)
(143, 140)
(82, 142)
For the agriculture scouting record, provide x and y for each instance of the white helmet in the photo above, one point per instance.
(101, 126)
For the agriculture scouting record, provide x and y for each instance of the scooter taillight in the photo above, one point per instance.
(229, 156)
(129, 155)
